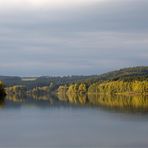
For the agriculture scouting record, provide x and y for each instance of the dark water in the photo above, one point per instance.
(46, 122)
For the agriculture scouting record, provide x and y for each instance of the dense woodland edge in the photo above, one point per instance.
(124, 81)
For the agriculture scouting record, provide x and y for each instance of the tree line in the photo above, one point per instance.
(108, 87)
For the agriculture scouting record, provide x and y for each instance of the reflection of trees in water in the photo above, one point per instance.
(19, 98)
(32, 99)
(77, 99)
(120, 101)
(39, 97)
(124, 102)
(73, 98)
(137, 102)
(2, 102)
(16, 98)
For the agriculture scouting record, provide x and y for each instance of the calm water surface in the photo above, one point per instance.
(49, 123)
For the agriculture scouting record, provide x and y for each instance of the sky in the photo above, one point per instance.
(72, 37)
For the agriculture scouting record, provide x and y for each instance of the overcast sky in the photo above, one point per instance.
(72, 37)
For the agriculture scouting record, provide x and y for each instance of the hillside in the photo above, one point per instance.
(124, 81)
(126, 74)
(31, 82)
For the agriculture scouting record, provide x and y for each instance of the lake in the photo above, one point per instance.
(48, 122)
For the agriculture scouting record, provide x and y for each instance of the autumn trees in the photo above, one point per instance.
(109, 87)
(120, 87)
(73, 88)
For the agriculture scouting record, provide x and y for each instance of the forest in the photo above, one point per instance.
(109, 87)
(124, 81)
(128, 80)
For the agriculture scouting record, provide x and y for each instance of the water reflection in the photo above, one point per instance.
(16, 101)
(123, 102)
(73, 98)
(2, 102)
(118, 102)
(114, 102)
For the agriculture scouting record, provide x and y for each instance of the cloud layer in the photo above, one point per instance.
(81, 37)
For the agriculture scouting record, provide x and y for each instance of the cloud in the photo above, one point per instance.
(81, 38)
(45, 4)
(108, 15)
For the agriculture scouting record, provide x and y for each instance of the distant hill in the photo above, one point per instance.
(132, 80)
(10, 80)
(31, 82)
(126, 74)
